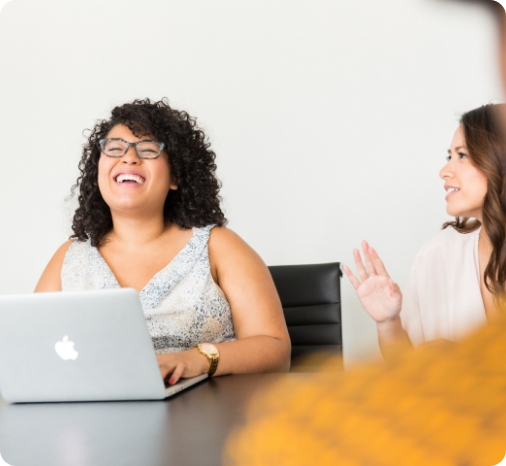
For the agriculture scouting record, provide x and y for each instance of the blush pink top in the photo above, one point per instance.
(442, 298)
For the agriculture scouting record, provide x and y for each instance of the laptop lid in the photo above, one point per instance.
(76, 346)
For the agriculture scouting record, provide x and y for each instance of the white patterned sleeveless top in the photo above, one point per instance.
(182, 304)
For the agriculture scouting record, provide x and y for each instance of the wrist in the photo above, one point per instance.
(211, 353)
(389, 325)
(202, 361)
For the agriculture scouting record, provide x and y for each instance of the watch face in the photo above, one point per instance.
(208, 348)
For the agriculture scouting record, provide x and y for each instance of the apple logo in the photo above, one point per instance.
(65, 349)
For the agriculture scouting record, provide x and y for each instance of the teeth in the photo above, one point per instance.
(452, 190)
(129, 177)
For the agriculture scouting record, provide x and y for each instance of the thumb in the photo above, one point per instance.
(395, 291)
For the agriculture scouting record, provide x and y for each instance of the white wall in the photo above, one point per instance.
(331, 119)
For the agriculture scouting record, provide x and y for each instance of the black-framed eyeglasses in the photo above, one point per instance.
(117, 147)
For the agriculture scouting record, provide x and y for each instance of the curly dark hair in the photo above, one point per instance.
(195, 203)
(486, 142)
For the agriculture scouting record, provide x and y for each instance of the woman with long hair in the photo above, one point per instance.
(149, 218)
(457, 282)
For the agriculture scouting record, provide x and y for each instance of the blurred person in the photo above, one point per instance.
(440, 406)
(458, 278)
(149, 218)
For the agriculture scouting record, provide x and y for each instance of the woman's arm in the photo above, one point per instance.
(393, 339)
(382, 299)
(50, 279)
(262, 344)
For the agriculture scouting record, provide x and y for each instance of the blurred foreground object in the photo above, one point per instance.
(440, 406)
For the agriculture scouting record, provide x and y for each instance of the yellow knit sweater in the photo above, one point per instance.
(440, 406)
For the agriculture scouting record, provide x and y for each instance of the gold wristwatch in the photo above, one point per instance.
(211, 353)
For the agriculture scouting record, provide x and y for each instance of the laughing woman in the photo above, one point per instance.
(149, 218)
(457, 282)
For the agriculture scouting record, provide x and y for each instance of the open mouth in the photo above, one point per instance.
(451, 191)
(129, 178)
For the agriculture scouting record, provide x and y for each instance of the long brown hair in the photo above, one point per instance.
(486, 143)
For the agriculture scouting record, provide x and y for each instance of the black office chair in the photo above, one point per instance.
(311, 300)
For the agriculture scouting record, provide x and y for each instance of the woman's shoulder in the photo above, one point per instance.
(225, 243)
(50, 279)
(448, 239)
(61, 252)
(221, 237)
(74, 245)
(215, 236)
(222, 233)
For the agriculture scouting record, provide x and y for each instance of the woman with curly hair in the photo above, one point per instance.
(149, 218)
(458, 280)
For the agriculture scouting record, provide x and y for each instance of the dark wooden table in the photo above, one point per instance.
(187, 429)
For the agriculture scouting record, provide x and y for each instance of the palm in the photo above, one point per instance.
(380, 299)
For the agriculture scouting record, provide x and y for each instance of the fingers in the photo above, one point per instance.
(379, 267)
(184, 364)
(168, 366)
(178, 372)
(354, 280)
(373, 265)
(362, 272)
(368, 259)
(165, 369)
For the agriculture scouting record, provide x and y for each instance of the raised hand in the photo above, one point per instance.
(378, 293)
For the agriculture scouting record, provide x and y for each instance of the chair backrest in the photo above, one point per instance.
(311, 300)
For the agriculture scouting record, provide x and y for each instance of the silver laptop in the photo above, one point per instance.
(79, 346)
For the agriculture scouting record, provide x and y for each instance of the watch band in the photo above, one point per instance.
(214, 357)
(213, 366)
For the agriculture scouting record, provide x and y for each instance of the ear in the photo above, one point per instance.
(173, 184)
